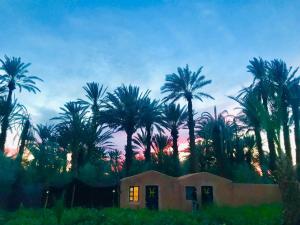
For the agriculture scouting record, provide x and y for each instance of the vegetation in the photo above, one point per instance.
(262, 215)
(78, 143)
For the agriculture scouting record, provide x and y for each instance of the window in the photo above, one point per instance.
(134, 193)
(190, 193)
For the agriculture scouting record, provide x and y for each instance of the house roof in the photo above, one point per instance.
(152, 172)
(187, 176)
(204, 174)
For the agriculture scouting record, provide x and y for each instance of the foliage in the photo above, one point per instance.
(8, 174)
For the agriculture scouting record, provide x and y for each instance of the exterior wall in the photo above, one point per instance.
(167, 189)
(255, 194)
(222, 188)
(172, 190)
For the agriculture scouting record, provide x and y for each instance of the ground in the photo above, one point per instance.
(246, 215)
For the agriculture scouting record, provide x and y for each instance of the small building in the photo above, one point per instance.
(154, 190)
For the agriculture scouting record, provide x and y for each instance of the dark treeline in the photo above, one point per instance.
(78, 142)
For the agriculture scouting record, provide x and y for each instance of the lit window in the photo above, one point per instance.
(134, 193)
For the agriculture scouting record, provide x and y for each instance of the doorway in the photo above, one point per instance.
(152, 197)
(207, 196)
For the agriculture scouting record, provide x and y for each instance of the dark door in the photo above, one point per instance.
(207, 196)
(152, 197)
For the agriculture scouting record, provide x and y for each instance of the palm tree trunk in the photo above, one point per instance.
(174, 134)
(270, 138)
(191, 126)
(5, 122)
(259, 147)
(148, 147)
(128, 153)
(295, 109)
(286, 132)
(24, 137)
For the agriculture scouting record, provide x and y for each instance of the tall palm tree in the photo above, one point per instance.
(282, 77)
(123, 113)
(70, 128)
(187, 85)
(150, 118)
(15, 76)
(96, 132)
(174, 117)
(262, 86)
(71, 131)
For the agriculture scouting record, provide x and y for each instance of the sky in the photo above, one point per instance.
(135, 42)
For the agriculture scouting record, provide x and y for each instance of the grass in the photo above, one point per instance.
(246, 215)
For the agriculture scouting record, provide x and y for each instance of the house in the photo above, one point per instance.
(155, 190)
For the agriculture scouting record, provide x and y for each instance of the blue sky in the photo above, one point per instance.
(138, 42)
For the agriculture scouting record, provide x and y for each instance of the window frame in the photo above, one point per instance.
(189, 197)
(129, 194)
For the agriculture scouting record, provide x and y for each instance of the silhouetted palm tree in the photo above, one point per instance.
(160, 143)
(150, 118)
(45, 132)
(97, 134)
(294, 101)
(95, 94)
(251, 116)
(282, 77)
(213, 128)
(123, 113)
(15, 76)
(262, 86)
(140, 141)
(174, 118)
(187, 85)
(70, 128)
(26, 135)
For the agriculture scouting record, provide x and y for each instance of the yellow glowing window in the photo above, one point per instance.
(134, 193)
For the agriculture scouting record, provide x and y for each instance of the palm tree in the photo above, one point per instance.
(123, 113)
(262, 86)
(282, 77)
(95, 94)
(213, 128)
(251, 115)
(150, 119)
(45, 132)
(26, 135)
(160, 143)
(140, 141)
(187, 85)
(15, 76)
(96, 132)
(70, 130)
(174, 118)
(96, 141)
(294, 101)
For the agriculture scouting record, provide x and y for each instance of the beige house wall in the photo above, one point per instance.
(172, 190)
